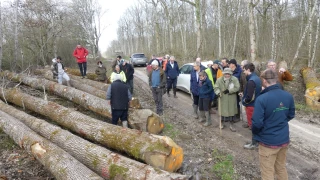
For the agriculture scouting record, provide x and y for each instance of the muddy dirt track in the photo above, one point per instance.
(198, 142)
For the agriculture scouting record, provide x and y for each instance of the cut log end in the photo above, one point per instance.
(313, 98)
(135, 103)
(37, 149)
(155, 124)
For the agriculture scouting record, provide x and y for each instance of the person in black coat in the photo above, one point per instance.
(129, 71)
(119, 97)
(172, 72)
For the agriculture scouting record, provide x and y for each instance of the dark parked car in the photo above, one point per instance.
(138, 59)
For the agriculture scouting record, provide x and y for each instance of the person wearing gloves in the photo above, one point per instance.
(121, 73)
(226, 88)
(119, 97)
(57, 69)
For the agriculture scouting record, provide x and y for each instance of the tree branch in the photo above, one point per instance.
(189, 2)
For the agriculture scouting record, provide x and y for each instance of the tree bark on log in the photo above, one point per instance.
(159, 152)
(312, 93)
(76, 72)
(61, 164)
(86, 85)
(88, 101)
(102, 161)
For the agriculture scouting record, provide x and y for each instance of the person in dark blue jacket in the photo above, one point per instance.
(273, 110)
(194, 86)
(172, 72)
(250, 94)
(237, 71)
(205, 93)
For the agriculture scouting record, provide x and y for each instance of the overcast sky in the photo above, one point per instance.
(115, 9)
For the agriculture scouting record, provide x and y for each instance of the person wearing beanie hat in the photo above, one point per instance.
(235, 68)
(157, 83)
(226, 88)
(119, 97)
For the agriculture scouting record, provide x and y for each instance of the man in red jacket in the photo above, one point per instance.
(80, 53)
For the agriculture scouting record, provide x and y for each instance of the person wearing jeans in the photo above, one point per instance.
(273, 110)
(81, 53)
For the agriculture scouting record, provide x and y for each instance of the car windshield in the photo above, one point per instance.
(186, 69)
(138, 56)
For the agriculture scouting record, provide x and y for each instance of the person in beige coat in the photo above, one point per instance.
(226, 89)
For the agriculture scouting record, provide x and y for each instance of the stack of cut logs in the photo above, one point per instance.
(69, 151)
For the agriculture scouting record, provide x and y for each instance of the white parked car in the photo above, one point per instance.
(183, 82)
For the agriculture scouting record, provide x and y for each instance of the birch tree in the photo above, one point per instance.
(311, 60)
(1, 38)
(253, 47)
(311, 13)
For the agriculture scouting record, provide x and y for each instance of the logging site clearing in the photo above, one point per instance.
(75, 139)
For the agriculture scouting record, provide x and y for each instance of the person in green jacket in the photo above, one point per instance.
(226, 89)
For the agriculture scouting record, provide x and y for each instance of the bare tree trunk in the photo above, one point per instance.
(97, 158)
(303, 37)
(311, 62)
(1, 37)
(160, 152)
(311, 4)
(273, 44)
(14, 63)
(252, 31)
(219, 26)
(61, 164)
(239, 12)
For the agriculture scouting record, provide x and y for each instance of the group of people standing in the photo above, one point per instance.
(268, 107)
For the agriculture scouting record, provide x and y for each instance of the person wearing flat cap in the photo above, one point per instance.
(226, 88)
(157, 83)
(119, 97)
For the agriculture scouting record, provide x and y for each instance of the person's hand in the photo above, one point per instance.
(168, 77)
(226, 91)
(282, 70)
(240, 94)
(79, 57)
(218, 95)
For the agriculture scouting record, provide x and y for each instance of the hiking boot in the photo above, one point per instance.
(168, 92)
(195, 111)
(208, 118)
(202, 117)
(250, 146)
(175, 93)
(82, 77)
(245, 125)
(231, 127)
(125, 124)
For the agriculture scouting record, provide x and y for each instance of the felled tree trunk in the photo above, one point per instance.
(86, 85)
(84, 99)
(159, 152)
(312, 93)
(61, 164)
(76, 72)
(107, 164)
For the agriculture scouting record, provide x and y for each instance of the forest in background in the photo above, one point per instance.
(35, 31)
(243, 29)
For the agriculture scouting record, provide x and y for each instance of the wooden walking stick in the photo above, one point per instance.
(219, 107)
